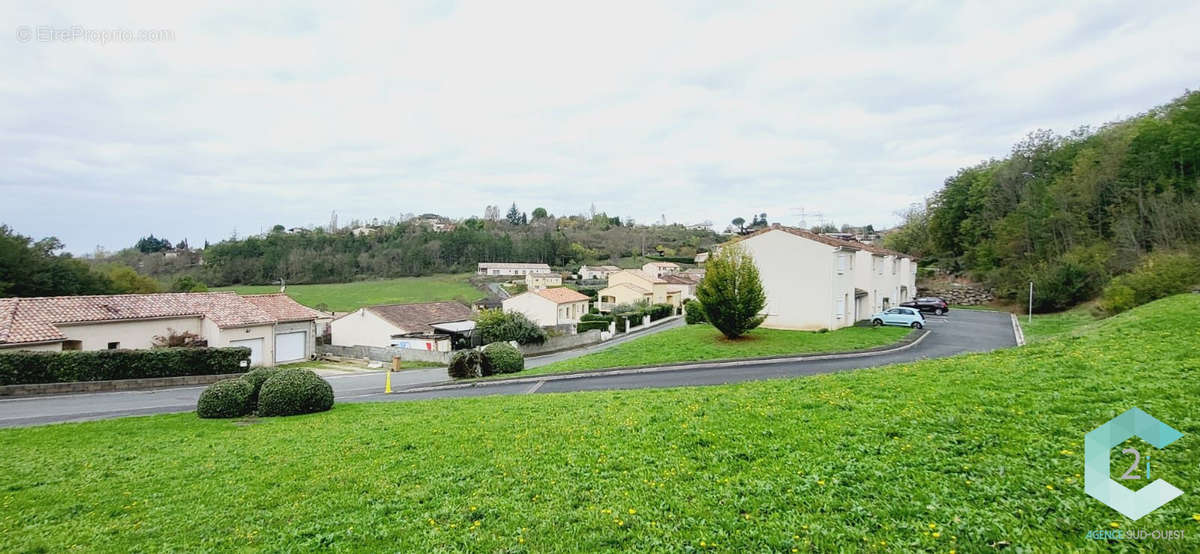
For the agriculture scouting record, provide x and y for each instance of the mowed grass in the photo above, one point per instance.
(1045, 326)
(693, 343)
(975, 453)
(346, 297)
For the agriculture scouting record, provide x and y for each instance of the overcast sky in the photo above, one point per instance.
(695, 111)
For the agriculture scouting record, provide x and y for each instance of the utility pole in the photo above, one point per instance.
(1031, 302)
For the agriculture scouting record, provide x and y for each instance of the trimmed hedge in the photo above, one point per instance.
(694, 312)
(589, 325)
(294, 392)
(501, 357)
(256, 377)
(595, 317)
(23, 368)
(660, 311)
(465, 364)
(225, 398)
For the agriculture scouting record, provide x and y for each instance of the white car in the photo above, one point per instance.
(907, 317)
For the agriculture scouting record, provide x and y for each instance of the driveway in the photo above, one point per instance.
(960, 331)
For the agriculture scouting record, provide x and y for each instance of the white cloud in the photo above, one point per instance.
(247, 119)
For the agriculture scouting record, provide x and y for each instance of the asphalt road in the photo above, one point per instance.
(961, 331)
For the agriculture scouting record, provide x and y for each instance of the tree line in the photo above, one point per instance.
(1067, 212)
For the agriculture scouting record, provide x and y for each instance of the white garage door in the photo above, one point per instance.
(289, 347)
(255, 346)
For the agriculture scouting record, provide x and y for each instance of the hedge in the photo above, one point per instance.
(225, 398)
(294, 392)
(465, 364)
(660, 311)
(596, 317)
(694, 312)
(501, 357)
(23, 368)
(256, 377)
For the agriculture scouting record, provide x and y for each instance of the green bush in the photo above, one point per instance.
(693, 312)
(293, 392)
(583, 326)
(1069, 280)
(1158, 276)
(225, 398)
(660, 311)
(596, 317)
(732, 292)
(256, 377)
(21, 367)
(465, 364)
(501, 357)
(498, 326)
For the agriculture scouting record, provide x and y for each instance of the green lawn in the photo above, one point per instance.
(1045, 326)
(346, 297)
(693, 343)
(975, 453)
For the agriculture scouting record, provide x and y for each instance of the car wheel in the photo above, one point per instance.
(939, 311)
(877, 322)
(916, 325)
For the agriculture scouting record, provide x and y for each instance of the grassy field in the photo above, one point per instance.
(1045, 326)
(346, 297)
(974, 453)
(693, 343)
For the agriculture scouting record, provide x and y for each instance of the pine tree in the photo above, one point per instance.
(732, 292)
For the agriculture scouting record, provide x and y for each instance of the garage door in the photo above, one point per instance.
(255, 346)
(289, 347)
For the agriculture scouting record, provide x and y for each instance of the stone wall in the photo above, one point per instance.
(958, 293)
(562, 342)
(385, 354)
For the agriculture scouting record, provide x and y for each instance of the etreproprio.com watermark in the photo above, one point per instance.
(94, 35)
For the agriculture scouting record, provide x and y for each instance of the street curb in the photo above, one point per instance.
(39, 389)
(1018, 333)
(903, 344)
(622, 337)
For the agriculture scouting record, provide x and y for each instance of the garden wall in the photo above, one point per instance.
(563, 342)
(385, 353)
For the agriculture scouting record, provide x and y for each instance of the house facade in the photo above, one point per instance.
(814, 281)
(503, 268)
(549, 307)
(538, 281)
(424, 326)
(597, 272)
(658, 269)
(683, 284)
(274, 327)
(630, 286)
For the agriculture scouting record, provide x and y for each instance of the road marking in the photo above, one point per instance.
(535, 387)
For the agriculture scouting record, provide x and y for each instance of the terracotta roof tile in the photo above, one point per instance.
(25, 320)
(418, 318)
(831, 241)
(281, 307)
(561, 295)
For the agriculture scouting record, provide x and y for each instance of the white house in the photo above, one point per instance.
(538, 281)
(503, 268)
(683, 284)
(274, 327)
(595, 272)
(658, 269)
(549, 307)
(425, 326)
(814, 281)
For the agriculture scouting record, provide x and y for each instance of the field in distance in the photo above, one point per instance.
(346, 297)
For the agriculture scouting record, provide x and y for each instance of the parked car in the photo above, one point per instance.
(931, 304)
(908, 317)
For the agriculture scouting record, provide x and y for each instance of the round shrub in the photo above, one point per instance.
(225, 398)
(292, 392)
(465, 364)
(501, 357)
(256, 377)
(693, 312)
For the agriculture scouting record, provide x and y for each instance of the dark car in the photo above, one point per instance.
(931, 304)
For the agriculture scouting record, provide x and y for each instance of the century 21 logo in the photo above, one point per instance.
(1096, 479)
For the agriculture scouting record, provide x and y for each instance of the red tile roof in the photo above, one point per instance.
(418, 318)
(831, 241)
(26, 320)
(281, 307)
(561, 295)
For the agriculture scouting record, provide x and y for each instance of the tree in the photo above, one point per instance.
(514, 215)
(128, 281)
(539, 213)
(740, 223)
(278, 229)
(499, 326)
(187, 283)
(731, 292)
(491, 213)
(151, 244)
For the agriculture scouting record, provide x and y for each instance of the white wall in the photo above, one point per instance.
(131, 334)
(801, 281)
(227, 335)
(536, 308)
(362, 327)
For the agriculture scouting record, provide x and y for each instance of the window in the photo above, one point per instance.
(840, 309)
(895, 266)
(841, 263)
(114, 345)
(72, 345)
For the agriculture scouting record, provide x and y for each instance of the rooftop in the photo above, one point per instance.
(419, 318)
(562, 295)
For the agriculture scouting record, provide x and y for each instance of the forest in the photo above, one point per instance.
(1068, 212)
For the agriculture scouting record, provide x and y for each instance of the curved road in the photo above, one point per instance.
(961, 331)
